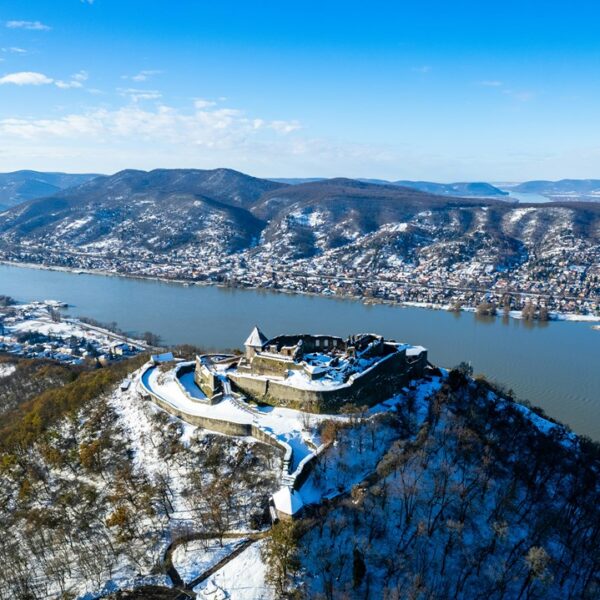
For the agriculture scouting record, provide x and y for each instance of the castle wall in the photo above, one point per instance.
(206, 380)
(277, 367)
(368, 388)
(310, 342)
(218, 425)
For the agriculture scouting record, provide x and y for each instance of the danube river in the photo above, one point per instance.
(553, 365)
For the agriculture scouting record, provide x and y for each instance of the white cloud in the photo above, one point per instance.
(33, 78)
(136, 95)
(206, 135)
(76, 81)
(32, 25)
(26, 78)
(14, 50)
(422, 69)
(212, 127)
(284, 126)
(201, 103)
(144, 75)
(491, 83)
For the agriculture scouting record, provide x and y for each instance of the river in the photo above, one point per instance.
(553, 365)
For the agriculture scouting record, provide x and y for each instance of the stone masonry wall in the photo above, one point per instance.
(368, 388)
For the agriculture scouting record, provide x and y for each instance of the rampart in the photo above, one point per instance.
(369, 387)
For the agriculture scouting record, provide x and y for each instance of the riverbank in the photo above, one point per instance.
(513, 314)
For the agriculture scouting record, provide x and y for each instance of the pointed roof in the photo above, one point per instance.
(288, 501)
(257, 339)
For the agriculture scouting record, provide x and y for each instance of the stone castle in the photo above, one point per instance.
(316, 373)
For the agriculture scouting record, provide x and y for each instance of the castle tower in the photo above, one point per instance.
(256, 340)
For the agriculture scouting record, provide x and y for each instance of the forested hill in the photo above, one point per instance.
(473, 496)
(224, 211)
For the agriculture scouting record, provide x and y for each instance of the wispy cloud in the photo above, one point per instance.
(201, 103)
(32, 78)
(135, 95)
(143, 75)
(206, 133)
(520, 95)
(77, 80)
(284, 127)
(14, 50)
(31, 25)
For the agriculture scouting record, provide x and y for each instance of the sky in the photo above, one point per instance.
(438, 90)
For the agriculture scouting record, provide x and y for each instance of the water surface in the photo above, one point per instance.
(553, 365)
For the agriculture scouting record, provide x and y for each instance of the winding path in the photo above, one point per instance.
(186, 589)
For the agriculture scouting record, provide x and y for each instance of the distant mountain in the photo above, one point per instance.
(565, 189)
(199, 218)
(460, 189)
(298, 180)
(157, 210)
(465, 189)
(309, 218)
(21, 186)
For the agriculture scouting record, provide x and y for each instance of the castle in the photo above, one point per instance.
(316, 373)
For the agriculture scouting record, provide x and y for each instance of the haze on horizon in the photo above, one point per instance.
(435, 91)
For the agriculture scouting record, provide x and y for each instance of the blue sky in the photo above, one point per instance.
(438, 90)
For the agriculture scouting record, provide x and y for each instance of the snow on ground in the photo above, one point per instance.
(134, 420)
(574, 317)
(243, 578)
(134, 416)
(7, 369)
(569, 439)
(166, 388)
(63, 329)
(293, 427)
(348, 461)
(194, 558)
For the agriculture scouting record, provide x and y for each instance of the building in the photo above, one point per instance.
(316, 373)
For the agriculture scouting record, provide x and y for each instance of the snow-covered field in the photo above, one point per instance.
(191, 559)
(243, 578)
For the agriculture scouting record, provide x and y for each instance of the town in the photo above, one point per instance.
(39, 330)
(564, 283)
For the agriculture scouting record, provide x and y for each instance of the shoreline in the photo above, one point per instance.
(554, 316)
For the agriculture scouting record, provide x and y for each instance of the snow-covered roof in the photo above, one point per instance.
(256, 339)
(288, 501)
(415, 350)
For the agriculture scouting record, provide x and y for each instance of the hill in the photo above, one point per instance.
(459, 189)
(565, 189)
(20, 186)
